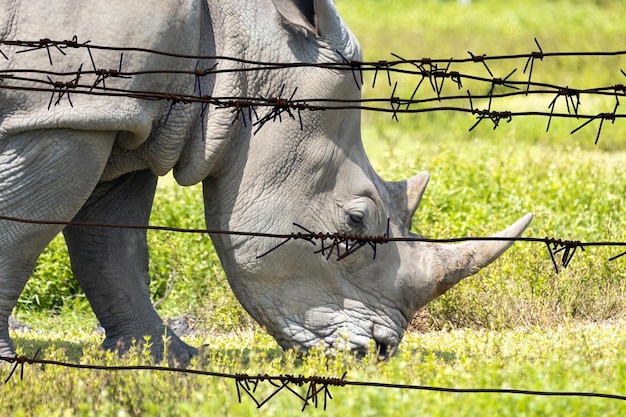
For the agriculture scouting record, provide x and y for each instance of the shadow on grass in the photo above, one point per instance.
(447, 356)
(209, 356)
(245, 357)
(29, 347)
(74, 352)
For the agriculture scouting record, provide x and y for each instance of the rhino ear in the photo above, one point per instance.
(318, 17)
(298, 12)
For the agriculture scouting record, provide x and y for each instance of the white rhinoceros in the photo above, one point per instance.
(95, 158)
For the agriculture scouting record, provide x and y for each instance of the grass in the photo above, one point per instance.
(517, 324)
(484, 179)
(568, 358)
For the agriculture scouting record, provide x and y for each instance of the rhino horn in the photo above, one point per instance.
(415, 190)
(447, 264)
(453, 262)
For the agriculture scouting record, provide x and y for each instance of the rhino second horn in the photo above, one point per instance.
(406, 196)
(415, 187)
(465, 259)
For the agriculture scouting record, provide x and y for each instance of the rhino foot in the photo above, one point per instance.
(163, 345)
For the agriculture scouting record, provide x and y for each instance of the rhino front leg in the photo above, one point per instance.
(44, 175)
(111, 265)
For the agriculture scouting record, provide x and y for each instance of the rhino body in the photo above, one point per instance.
(84, 158)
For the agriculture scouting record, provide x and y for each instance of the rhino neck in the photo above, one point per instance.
(214, 128)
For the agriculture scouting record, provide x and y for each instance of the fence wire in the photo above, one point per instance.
(428, 79)
(561, 251)
(311, 390)
(433, 74)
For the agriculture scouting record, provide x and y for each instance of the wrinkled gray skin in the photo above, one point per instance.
(98, 161)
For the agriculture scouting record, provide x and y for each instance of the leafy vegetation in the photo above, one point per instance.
(517, 324)
(570, 358)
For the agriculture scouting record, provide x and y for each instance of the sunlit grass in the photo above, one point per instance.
(570, 358)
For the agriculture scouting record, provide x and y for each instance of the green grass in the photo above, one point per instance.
(484, 179)
(517, 324)
(569, 358)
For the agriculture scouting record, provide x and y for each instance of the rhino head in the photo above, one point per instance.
(311, 169)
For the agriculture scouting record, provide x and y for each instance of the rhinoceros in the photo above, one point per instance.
(95, 158)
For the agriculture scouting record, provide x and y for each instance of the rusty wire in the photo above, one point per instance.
(311, 390)
(435, 72)
(342, 245)
(429, 71)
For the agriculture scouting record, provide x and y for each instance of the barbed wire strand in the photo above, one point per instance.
(427, 69)
(555, 246)
(315, 385)
(436, 71)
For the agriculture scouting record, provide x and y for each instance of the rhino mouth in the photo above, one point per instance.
(381, 350)
(380, 341)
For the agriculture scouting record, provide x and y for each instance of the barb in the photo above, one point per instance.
(442, 74)
(174, 100)
(354, 66)
(494, 116)
(338, 241)
(602, 117)
(423, 72)
(503, 82)
(384, 66)
(531, 60)
(567, 247)
(103, 74)
(63, 89)
(309, 237)
(46, 44)
(19, 361)
(197, 89)
(239, 108)
(569, 95)
(481, 59)
(280, 105)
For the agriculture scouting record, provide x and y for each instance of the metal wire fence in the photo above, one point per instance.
(435, 86)
(339, 246)
(431, 74)
(311, 390)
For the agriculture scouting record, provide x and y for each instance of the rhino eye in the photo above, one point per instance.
(355, 220)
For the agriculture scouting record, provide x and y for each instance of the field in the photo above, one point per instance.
(517, 324)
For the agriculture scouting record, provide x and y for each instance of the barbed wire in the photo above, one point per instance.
(429, 71)
(434, 73)
(311, 390)
(561, 251)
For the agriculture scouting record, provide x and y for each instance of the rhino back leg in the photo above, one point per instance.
(44, 175)
(111, 265)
